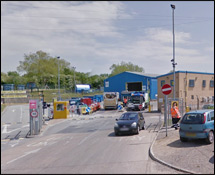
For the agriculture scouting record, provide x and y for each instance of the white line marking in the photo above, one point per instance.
(5, 129)
(17, 129)
(34, 151)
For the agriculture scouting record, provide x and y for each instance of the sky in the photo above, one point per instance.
(93, 35)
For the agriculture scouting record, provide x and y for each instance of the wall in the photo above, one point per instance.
(180, 89)
(118, 82)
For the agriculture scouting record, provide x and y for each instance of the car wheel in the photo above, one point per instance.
(210, 137)
(143, 127)
(183, 139)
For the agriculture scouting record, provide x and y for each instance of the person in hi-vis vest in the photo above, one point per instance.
(175, 115)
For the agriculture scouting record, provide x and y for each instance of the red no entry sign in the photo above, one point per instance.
(166, 89)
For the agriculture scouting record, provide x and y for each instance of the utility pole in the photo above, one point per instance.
(173, 60)
(58, 80)
(74, 77)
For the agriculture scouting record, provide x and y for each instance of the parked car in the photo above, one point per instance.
(208, 106)
(129, 122)
(197, 125)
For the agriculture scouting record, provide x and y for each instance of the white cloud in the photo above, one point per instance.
(89, 35)
(166, 36)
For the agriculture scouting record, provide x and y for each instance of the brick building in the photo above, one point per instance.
(196, 88)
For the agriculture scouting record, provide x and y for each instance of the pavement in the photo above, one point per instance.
(192, 157)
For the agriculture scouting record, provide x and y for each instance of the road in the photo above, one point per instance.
(15, 122)
(83, 146)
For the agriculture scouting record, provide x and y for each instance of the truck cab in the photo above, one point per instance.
(136, 102)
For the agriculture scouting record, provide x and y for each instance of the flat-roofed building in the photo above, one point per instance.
(196, 88)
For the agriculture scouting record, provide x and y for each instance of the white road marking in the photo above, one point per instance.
(27, 153)
(12, 145)
(44, 143)
(5, 129)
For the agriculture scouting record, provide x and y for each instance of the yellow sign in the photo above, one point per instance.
(174, 102)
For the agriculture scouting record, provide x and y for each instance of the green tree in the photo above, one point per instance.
(4, 78)
(123, 66)
(41, 68)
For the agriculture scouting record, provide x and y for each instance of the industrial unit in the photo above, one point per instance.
(132, 81)
(195, 88)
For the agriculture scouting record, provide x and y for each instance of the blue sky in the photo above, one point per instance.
(93, 35)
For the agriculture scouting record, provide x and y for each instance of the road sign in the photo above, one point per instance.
(34, 114)
(166, 89)
(33, 104)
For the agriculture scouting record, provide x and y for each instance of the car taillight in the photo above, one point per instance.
(204, 118)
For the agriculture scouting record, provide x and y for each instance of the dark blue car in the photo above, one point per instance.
(197, 125)
(129, 122)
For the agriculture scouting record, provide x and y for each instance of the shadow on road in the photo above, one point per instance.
(121, 135)
(190, 143)
(212, 159)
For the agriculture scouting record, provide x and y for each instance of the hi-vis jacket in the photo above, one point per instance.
(175, 113)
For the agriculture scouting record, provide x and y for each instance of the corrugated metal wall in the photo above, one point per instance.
(118, 82)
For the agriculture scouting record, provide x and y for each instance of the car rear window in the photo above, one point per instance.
(193, 118)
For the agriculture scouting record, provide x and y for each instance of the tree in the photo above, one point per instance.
(123, 66)
(42, 68)
(4, 78)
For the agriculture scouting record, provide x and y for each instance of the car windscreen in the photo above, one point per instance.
(110, 96)
(128, 117)
(135, 99)
(193, 118)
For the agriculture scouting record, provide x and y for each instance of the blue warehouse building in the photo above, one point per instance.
(125, 81)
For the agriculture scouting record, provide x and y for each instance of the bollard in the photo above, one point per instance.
(149, 108)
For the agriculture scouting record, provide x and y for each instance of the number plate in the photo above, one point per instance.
(124, 129)
(190, 134)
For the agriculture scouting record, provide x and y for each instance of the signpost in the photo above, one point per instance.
(34, 112)
(166, 90)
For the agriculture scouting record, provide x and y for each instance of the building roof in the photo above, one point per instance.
(144, 74)
(185, 72)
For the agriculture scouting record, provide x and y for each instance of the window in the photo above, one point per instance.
(208, 118)
(106, 83)
(192, 97)
(191, 83)
(212, 83)
(212, 115)
(60, 107)
(162, 82)
(203, 83)
(171, 83)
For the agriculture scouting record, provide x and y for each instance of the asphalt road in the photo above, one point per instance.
(82, 146)
(15, 122)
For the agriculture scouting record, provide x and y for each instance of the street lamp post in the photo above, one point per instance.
(173, 60)
(74, 77)
(58, 80)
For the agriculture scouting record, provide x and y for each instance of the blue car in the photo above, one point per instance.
(197, 125)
